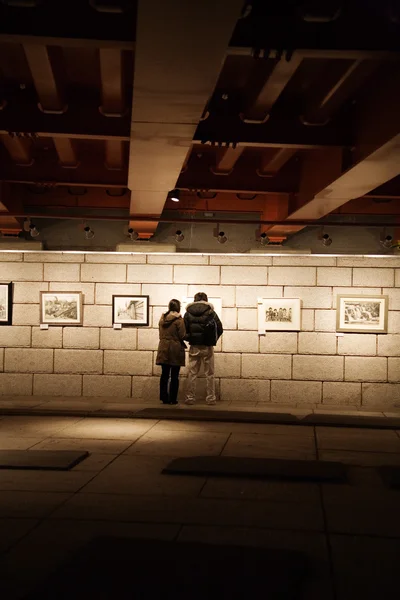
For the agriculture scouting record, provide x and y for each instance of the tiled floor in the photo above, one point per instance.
(350, 532)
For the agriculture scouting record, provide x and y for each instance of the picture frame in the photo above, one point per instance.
(216, 302)
(278, 314)
(362, 314)
(130, 310)
(61, 308)
(5, 303)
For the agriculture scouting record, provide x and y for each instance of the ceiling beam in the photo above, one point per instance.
(66, 152)
(19, 149)
(328, 53)
(65, 42)
(272, 164)
(114, 155)
(226, 160)
(48, 89)
(112, 83)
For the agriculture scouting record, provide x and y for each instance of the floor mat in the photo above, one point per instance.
(54, 460)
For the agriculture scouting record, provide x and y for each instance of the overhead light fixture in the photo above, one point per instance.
(132, 234)
(89, 233)
(175, 195)
(221, 237)
(179, 237)
(326, 239)
(264, 239)
(33, 230)
(387, 241)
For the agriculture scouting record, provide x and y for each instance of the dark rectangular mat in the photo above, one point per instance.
(258, 468)
(54, 460)
(133, 569)
(390, 476)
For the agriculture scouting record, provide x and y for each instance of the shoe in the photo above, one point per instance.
(189, 401)
(173, 402)
(211, 402)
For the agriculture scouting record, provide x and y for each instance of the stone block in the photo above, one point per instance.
(227, 365)
(341, 393)
(296, 392)
(148, 339)
(11, 336)
(292, 276)
(318, 368)
(156, 313)
(118, 339)
(57, 385)
(225, 292)
(381, 395)
(105, 291)
(229, 318)
(161, 294)
(107, 385)
(128, 362)
(61, 272)
(196, 275)
(394, 298)
(278, 342)
(10, 256)
(100, 273)
(246, 275)
(15, 384)
(365, 369)
(304, 261)
(78, 361)
(333, 276)
(235, 260)
(351, 291)
(325, 320)
(26, 314)
(394, 321)
(266, 366)
(311, 297)
(21, 272)
(115, 257)
(379, 277)
(29, 293)
(81, 337)
(358, 344)
(97, 316)
(248, 295)
(28, 360)
(177, 258)
(369, 261)
(47, 338)
(248, 319)
(307, 320)
(87, 289)
(240, 341)
(394, 370)
(149, 274)
(54, 257)
(389, 345)
(145, 389)
(245, 390)
(317, 343)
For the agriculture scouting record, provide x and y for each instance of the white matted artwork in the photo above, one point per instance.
(362, 314)
(131, 310)
(61, 308)
(5, 303)
(278, 314)
(216, 302)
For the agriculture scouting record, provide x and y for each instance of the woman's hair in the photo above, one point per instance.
(174, 305)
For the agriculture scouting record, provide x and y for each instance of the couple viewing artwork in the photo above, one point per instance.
(201, 328)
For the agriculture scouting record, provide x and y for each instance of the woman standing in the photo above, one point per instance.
(171, 351)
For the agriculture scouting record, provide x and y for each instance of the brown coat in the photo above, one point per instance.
(171, 349)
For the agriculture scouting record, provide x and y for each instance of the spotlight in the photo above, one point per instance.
(89, 233)
(221, 237)
(33, 230)
(264, 239)
(133, 234)
(326, 239)
(175, 195)
(387, 241)
(179, 237)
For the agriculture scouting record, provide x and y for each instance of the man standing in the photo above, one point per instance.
(203, 329)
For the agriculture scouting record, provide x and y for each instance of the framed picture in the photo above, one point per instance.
(216, 302)
(61, 308)
(131, 310)
(278, 314)
(362, 314)
(5, 303)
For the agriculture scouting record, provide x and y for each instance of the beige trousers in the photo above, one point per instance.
(197, 354)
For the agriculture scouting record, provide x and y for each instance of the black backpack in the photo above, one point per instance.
(210, 332)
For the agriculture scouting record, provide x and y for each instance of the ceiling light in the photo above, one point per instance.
(264, 239)
(33, 230)
(221, 237)
(89, 233)
(326, 239)
(179, 237)
(174, 195)
(387, 241)
(133, 234)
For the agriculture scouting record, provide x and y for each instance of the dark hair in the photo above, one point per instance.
(201, 296)
(174, 305)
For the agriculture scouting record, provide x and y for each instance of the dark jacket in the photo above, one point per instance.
(196, 316)
(171, 348)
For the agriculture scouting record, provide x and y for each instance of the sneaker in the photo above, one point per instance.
(189, 401)
(211, 402)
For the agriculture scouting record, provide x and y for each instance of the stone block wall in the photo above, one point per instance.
(311, 367)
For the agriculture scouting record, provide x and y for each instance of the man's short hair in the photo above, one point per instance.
(201, 296)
